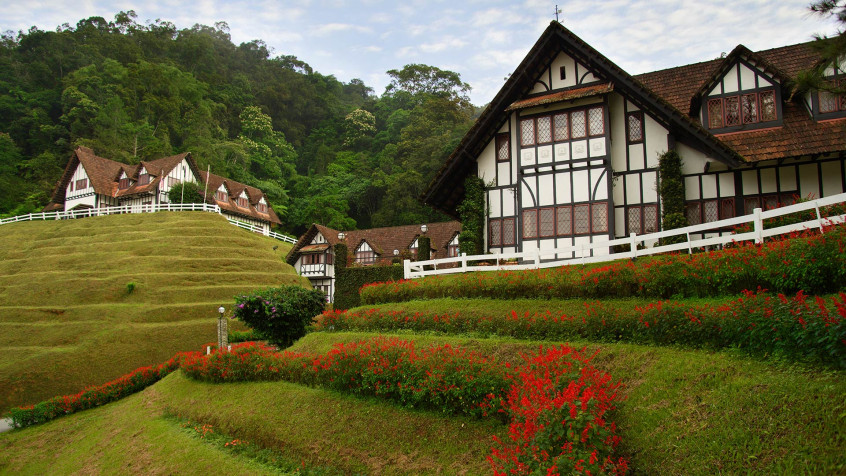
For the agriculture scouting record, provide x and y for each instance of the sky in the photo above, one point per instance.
(482, 40)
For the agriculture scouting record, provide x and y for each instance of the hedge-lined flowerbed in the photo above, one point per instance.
(808, 261)
(803, 328)
(91, 397)
(556, 401)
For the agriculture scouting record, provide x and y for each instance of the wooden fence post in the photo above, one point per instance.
(759, 225)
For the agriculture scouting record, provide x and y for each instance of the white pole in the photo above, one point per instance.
(206, 189)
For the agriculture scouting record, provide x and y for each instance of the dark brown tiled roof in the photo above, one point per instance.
(235, 188)
(383, 240)
(798, 136)
(105, 173)
(567, 95)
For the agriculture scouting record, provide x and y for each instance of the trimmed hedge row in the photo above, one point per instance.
(349, 280)
(800, 328)
(91, 397)
(811, 262)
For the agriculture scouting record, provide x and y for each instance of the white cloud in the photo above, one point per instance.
(331, 28)
(442, 45)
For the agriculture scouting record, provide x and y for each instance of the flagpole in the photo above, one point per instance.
(206, 189)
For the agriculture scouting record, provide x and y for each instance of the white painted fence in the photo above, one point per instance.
(159, 207)
(582, 253)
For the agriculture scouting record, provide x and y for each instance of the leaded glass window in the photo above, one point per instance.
(508, 231)
(530, 224)
(564, 220)
(596, 121)
(503, 148)
(749, 104)
(581, 219)
(634, 221)
(650, 218)
(495, 236)
(547, 222)
(562, 127)
(527, 130)
(579, 125)
(599, 217)
(711, 210)
(544, 130)
(635, 127)
(732, 111)
(715, 113)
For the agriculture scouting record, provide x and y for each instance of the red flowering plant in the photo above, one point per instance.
(249, 361)
(559, 418)
(808, 261)
(799, 327)
(91, 397)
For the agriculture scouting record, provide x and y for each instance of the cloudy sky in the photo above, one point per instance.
(483, 40)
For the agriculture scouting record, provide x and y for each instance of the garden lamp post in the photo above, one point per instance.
(222, 330)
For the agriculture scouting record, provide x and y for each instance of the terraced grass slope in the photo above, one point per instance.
(68, 318)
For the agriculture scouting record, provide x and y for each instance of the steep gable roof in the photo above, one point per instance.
(447, 189)
(670, 96)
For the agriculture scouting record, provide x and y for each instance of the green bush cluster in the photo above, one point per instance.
(810, 262)
(280, 314)
(348, 281)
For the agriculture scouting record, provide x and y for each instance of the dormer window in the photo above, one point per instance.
(831, 105)
(452, 248)
(144, 179)
(221, 195)
(742, 109)
(261, 206)
(243, 202)
(123, 183)
(365, 255)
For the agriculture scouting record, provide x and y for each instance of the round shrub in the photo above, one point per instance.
(281, 314)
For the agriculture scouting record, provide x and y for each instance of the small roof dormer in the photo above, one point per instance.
(743, 93)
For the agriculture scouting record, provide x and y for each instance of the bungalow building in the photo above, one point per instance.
(92, 182)
(313, 256)
(569, 146)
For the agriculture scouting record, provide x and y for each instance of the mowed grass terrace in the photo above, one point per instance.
(68, 319)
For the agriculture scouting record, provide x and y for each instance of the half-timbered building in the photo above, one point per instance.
(93, 182)
(313, 256)
(568, 148)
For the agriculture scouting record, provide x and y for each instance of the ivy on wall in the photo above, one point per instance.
(671, 189)
(472, 213)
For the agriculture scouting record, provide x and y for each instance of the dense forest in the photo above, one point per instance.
(323, 150)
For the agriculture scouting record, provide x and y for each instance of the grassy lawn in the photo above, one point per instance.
(68, 319)
(336, 433)
(695, 412)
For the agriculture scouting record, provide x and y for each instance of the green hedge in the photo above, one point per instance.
(349, 280)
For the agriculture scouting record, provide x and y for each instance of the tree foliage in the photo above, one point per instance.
(323, 151)
(831, 49)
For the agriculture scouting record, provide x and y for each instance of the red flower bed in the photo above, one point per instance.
(799, 327)
(808, 261)
(556, 402)
(126, 385)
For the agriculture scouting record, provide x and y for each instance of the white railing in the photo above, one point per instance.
(262, 230)
(584, 253)
(158, 207)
